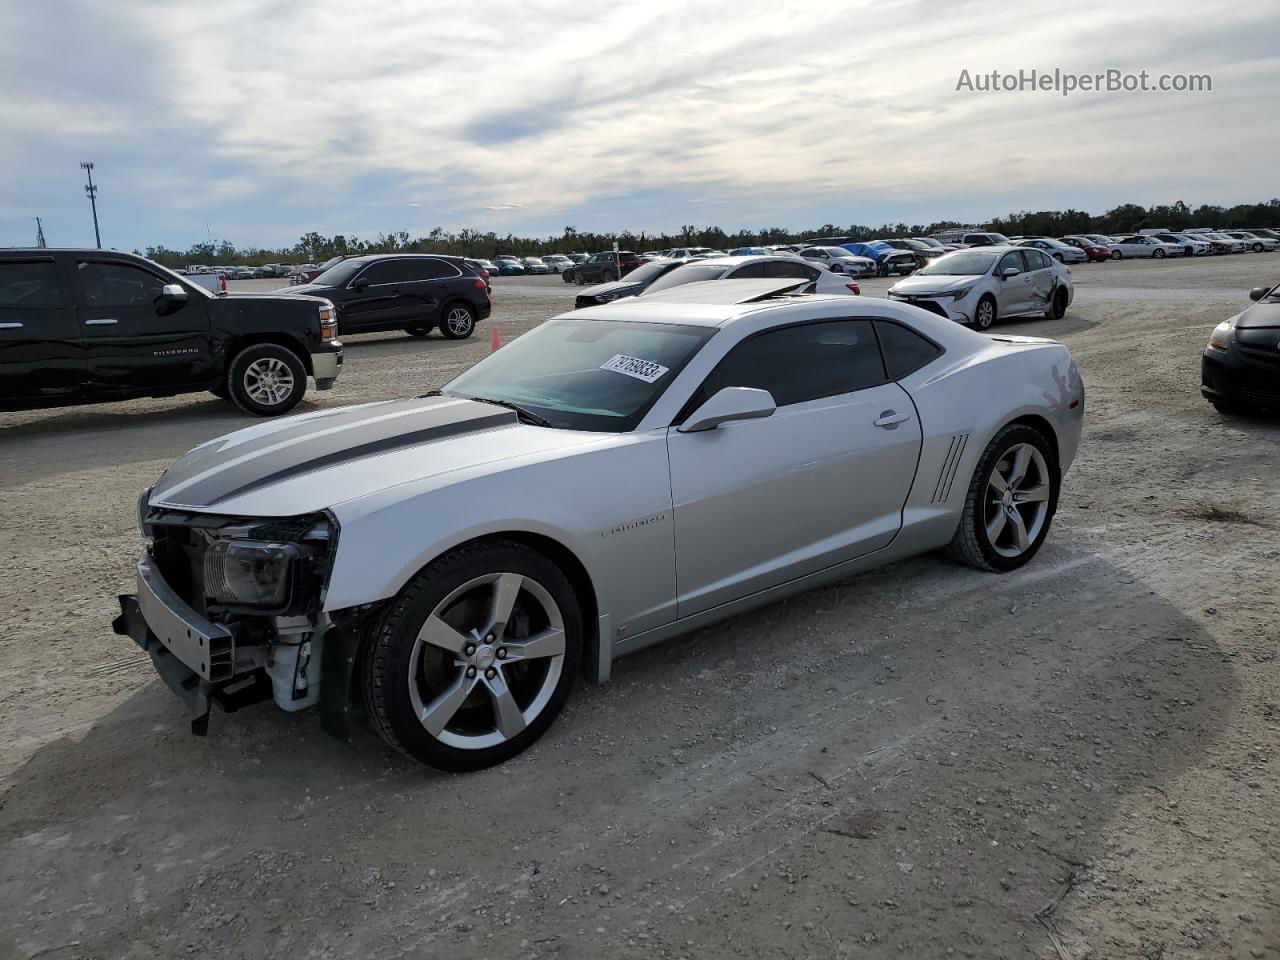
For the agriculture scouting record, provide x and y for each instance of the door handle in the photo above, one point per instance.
(100, 322)
(890, 419)
(10, 326)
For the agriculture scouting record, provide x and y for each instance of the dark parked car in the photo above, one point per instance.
(414, 292)
(84, 326)
(603, 267)
(635, 282)
(308, 271)
(1240, 368)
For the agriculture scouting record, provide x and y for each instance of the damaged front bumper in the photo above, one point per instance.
(204, 662)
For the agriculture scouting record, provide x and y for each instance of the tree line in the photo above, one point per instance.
(314, 248)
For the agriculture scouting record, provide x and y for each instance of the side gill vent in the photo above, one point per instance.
(955, 450)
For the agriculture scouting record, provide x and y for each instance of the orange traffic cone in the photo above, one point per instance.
(495, 339)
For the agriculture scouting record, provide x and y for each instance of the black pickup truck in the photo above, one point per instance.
(86, 326)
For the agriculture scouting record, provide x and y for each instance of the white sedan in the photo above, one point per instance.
(1140, 245)
(774, 266)
(1254, 242)
(840, 260)
(981, 284)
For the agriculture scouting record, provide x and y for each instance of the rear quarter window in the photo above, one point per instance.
(905, 351)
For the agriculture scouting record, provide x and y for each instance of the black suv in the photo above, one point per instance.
(83, 326)
(603, 267)
(414, 292)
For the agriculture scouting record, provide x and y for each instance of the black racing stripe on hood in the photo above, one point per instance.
(208, 477)
(371, 449)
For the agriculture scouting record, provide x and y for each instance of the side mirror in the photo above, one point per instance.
(359, 283)
(1008, 272)
(728, 405)
(173, 293)
(1257, 293)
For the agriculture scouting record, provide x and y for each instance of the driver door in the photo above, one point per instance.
(760, 502)
(1014, 293)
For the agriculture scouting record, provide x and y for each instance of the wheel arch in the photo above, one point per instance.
(235, 345)
(1045, 428)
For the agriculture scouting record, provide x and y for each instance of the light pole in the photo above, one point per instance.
(92, 192)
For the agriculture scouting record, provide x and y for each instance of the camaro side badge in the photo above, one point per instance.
(633, 525)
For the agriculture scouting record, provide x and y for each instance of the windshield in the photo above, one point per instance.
(690, 273)
(961, 263)
(647, 271)
(340, 275)
(585, 374)
(930, 242)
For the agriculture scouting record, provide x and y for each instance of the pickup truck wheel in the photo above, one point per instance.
(459, 322)
(1010, 502)
(266, 380)
(475, 658)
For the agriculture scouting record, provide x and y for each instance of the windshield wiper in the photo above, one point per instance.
(528, 416)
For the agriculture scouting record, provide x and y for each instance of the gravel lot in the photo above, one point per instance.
(924, 761)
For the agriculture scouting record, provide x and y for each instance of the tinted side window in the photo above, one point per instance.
(1042, 260)
(30, 285)
(777, 268)
(383, 271)
(426, 269)
(804, 362)
(905, 351)
(750, 271)
(118, 285)
(1010, 260)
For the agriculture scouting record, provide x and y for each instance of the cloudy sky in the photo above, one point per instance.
(259, 121)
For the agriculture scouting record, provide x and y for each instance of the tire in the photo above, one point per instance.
(1257, 248)
(1058, 305)
(1058, 257)
(984, 315)
(609, 276)
(1158, 254)
(417, 331)
(989, 543)
(1116, 255)
(266, 380)
(567, 276)
(458, 322)
(455, 678)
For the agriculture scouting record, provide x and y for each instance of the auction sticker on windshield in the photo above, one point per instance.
(645, 370)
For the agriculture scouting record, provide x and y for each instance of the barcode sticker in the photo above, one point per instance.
(645, 370)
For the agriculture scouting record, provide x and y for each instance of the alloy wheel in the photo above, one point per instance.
(1017, 500)
(268, 381)
(487, 661)
(459, 321)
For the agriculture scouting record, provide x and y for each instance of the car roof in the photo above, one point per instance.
(710, 303)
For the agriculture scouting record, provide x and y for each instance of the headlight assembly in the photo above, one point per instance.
(606, 297)
(255, 573)
(1222, 334)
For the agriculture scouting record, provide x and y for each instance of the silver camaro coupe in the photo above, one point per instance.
(449, 564)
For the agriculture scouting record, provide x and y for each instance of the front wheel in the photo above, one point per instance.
(1010, 502)
(266, 380)
(459, 322)
(1257, 248)
(475, 658)
(985, 315)
(1116, 255)
(1158, 254)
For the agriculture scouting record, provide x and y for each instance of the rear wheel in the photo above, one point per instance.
(1058, 305)
(459, 322)
(985, 314)
(475, 658)
(266, 380)
(1010, 502)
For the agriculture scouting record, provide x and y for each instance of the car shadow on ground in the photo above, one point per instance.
(986, 726)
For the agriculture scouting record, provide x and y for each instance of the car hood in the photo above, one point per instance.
(314, 289)
(618, 288)
(920, 286)
(313, 462)
(1258, 316)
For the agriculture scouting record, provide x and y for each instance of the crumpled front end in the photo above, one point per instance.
(230, 609)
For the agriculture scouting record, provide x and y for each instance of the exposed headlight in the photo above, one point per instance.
(1222, 334)
(256, 573)
(605, 297)
(961, 293)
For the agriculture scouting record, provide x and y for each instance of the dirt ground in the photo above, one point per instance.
(1079, 759)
